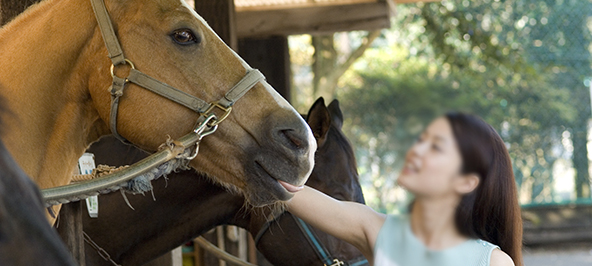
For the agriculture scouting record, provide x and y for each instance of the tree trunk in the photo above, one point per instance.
(325, 60)
(326, 66)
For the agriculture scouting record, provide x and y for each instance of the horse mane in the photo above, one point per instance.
(11, 13)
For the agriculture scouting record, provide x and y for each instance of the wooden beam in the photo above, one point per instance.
(220, 15)
(275, 5)
(313, 20)
(242, 5)
(414, 1)
(70, 222)
(271, 55)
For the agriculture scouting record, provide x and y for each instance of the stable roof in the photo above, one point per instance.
(286, 17)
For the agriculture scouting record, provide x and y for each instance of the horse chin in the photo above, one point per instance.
(262, 175)
(267, 213)
(265, 191)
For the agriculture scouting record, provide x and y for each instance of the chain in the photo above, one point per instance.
(104, 254)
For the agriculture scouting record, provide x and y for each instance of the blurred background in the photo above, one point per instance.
(522, 65)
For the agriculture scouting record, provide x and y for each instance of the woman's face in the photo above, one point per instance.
(433, 164)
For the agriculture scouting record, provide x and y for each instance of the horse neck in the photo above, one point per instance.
(186, 206)
(45, 65)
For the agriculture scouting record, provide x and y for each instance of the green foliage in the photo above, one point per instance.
(514, 63)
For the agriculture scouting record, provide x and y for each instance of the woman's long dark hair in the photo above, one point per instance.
(491, 212)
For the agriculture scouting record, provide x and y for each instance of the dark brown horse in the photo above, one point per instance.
(187, 206)
(25, 236)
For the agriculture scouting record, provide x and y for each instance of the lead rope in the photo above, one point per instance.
(136, 178)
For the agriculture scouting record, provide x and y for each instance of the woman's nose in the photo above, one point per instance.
(419, 148)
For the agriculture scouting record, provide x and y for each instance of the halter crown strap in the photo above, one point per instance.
(251, 78)
(111, 42)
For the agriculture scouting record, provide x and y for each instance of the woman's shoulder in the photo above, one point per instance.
(493, 254)
(500, 258)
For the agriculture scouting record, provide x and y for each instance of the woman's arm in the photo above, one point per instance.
(500, 258)
(352, 222)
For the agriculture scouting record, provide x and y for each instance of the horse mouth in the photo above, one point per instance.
(281, 189)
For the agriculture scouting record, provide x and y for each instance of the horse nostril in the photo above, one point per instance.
(293, 139)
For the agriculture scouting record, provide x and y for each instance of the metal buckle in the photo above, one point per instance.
(217, 121)
(207, 127)
(126, 62)
(336, 262)
(203, 129)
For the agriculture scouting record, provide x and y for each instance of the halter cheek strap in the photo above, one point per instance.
(251, 78)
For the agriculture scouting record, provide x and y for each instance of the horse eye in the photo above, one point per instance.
(185, 37)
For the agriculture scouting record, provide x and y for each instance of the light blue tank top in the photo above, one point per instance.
(397, 246)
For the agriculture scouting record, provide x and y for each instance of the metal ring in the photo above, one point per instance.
(125, 62)
(217, 121)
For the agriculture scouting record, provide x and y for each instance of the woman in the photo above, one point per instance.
(465, 210)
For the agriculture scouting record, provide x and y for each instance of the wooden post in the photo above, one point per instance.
(220, 15)
(242, 244)
(271, 55)
(221, 242)
(70, 223)
(252, 250)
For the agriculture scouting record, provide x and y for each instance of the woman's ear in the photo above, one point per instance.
(467, 183)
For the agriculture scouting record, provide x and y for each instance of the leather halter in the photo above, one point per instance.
(251, 78)
(322, 253)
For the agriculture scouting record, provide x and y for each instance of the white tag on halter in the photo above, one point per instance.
(86, 164)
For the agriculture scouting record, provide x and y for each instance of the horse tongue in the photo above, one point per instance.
(289, 187)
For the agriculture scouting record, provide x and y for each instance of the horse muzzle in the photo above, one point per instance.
(282, 164)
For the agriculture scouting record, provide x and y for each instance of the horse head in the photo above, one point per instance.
(339, 176)
(260, 142)
(336, 176)
(262, 149)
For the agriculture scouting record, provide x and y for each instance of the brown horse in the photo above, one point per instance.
(187, 207)
(55, 73)
(25, 236)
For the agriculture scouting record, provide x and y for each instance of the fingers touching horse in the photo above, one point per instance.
(56, 73)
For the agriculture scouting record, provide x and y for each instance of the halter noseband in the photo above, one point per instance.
(251, 78)
(322, 252)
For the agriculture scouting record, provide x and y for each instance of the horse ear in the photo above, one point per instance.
(319, 120)
(336, 115)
